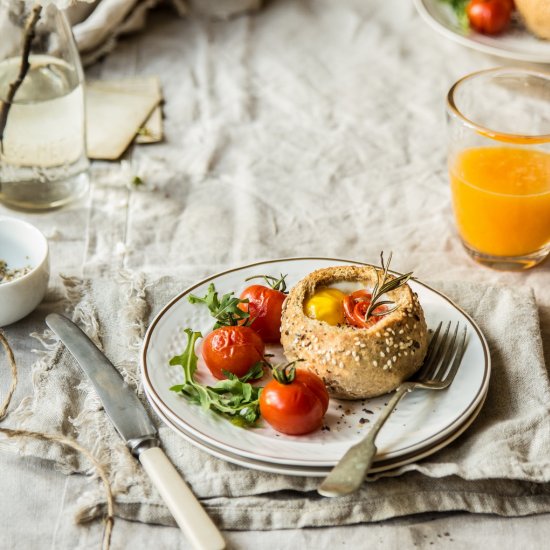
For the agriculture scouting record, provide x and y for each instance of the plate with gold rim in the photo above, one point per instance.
(514, 43)
(423, 419)
(379, 467)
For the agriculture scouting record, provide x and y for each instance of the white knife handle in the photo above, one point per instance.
(182, 503)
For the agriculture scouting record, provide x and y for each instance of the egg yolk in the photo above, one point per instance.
(326, 304)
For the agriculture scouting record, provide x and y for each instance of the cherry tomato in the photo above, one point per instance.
(355, 309)
(294, 402)
(234, 349)
(489, 16)
(264, 306)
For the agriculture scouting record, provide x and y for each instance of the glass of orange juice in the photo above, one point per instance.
(499, 165)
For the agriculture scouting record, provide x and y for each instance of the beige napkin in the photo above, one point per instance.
(151, 131)
(500, 465)
(117, 111)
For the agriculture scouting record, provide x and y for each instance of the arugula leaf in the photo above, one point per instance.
(226, 310)
(255, 372)
(233, 398)
(459, 7)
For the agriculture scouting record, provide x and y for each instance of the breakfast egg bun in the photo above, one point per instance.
(355, 363)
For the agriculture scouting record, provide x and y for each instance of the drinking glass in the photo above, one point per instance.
(43, 161)
(498, 124)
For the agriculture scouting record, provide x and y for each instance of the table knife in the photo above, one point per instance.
(138, 431)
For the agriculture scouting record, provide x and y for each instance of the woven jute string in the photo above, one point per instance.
(58, 439)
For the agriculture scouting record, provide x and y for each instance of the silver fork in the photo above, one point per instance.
(440, 366)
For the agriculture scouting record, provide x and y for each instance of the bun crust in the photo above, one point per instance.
(355, 363)
(536, 15)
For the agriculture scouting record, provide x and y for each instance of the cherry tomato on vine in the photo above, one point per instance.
(264, 306)
(295, 401)
(489, 16)
(355, 309)
(234, 349)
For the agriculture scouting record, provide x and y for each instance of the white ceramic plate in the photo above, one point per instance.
(514, 43)
(422, 420)
(319, 471)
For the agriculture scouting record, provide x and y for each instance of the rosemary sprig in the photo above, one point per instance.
(272, 282)
(383, 286)
(225, 310)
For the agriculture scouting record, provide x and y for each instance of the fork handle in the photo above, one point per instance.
(351, 470)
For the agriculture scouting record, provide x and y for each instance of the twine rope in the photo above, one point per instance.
(57, 438)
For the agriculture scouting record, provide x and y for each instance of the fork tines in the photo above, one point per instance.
(444, 354)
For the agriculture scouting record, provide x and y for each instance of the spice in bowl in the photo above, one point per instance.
(24, 269)
(8, 274)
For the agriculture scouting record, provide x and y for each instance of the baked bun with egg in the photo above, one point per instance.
(355, 363)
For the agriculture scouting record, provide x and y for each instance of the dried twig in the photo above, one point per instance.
(28, 37)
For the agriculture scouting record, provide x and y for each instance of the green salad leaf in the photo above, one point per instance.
(459, 7)
(234, 398)
(225, 310)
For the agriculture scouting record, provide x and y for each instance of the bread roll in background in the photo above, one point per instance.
(536, 15)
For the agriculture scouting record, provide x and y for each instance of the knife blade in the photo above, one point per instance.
(140, 434)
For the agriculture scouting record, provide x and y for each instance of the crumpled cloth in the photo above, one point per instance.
(500, 465)
(98, 25)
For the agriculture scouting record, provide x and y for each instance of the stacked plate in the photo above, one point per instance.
(514, 43)
(424, 422)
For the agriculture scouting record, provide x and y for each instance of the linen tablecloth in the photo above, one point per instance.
(311, 128)
(500, 465)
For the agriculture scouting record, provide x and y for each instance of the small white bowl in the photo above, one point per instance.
(22, 245)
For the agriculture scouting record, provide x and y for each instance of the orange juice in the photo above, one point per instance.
(501, 199)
